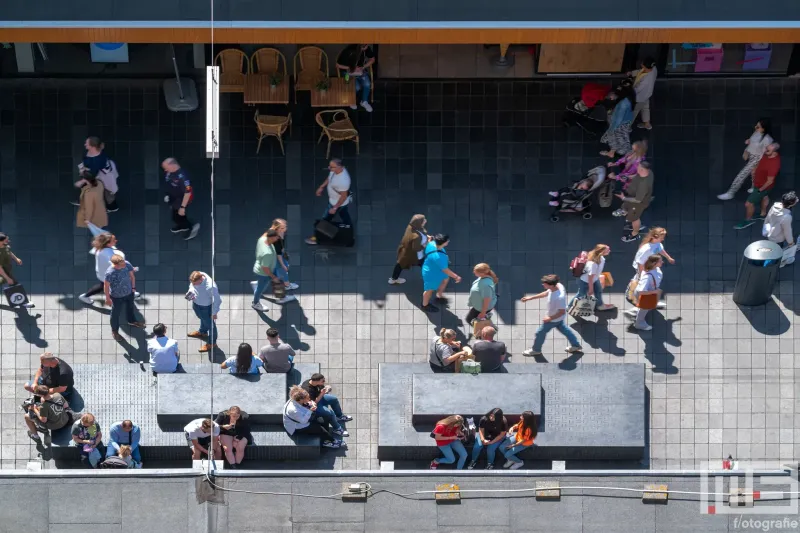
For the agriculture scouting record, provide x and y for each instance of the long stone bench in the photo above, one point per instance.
(116, 392)
(592, 412)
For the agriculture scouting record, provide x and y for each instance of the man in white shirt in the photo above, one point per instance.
(337, 186)
(199, 434)
(164, 352)
(556, 296)
(644, 81)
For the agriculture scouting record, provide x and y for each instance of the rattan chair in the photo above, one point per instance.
(272, 126)
(371, 77)
(268, 61)
(336, 125)
(233, 65)
(310, 59)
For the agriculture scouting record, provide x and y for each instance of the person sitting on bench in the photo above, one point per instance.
(299, 416)
(491, 354)
(446, 351)
(199, 435)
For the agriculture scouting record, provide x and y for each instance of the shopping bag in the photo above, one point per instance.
(788, 255)
(606, 279)
(470, 366)
(278, 290)
(648, 300)
(582, 307)
(16, 295)
(629, 291)
(478, 325)
(468, 357)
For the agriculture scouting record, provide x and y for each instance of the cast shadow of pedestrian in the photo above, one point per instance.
(138, 353)
(290, 325)
(27, 325)
(768, 319)
(661, 359)
(595, 333)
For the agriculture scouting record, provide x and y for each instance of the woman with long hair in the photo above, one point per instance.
(755, 147)
(282, 256)
(520, 436)
(244, 362)
(628, 164)
(491, 433)
(92, 205)
(412, 248)
(436, 271)
(234, 434)
(104, 246)
(448, 435)
(299, 416)
(652, 243)
(590, 282)
(482, 293)
(445, 352)
(649, 283)
(618, 134)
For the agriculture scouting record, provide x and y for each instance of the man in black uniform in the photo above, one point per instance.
(179, 195)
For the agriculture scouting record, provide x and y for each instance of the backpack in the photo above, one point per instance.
(578, 264)
(114, 462)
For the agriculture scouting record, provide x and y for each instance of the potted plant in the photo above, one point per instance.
(323, 85)
(275, 79)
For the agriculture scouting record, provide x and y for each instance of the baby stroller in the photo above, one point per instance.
(575, 199)
(591, 95)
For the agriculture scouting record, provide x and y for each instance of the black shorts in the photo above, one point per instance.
(202, 441)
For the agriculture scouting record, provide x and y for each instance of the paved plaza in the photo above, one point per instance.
(478, 159)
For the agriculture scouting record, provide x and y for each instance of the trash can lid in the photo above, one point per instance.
(763, 250)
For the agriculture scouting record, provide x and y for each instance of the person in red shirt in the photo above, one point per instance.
(447, 434)
(763, 181)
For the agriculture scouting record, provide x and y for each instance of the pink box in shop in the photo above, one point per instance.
(709, 59)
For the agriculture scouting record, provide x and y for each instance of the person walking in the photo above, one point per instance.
(7, 260)
(754, 150)
(206, 303)
(282, 255)
(179, 196)
(624, 169)
(104, 247)
(763, 182)
(556, 296)
(264, 269)
(411, 249)
(98, 164)
(436, 271)
(590, 283)
(448, 434)
(635, 200)
(355, 62)
(618, 134)
(482, 293)
(778, 223)
(337, 186)
(92, 205)
(120, 279)
(644, 81)
(648, 282)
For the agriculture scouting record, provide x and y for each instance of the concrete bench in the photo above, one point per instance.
(592, 412)
(435, 396)
(185, 397)
(116, 392)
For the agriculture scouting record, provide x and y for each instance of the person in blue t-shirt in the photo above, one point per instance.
(436, 272)
(244, 362)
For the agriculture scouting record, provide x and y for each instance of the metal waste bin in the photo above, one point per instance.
(758, 273)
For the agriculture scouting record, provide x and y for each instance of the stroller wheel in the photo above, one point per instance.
(587, 216)
(554, 218)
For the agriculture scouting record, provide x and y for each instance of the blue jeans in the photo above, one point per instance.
(282, 273)
(93, 457)
(343, 212)
(262, 282)
(449, 458)
(363, 84)
(207, 325)
(583, 291)
(561, 326)
(112, 450)
(491, 449)
(511, 453)
(116, 310)
(331, 409)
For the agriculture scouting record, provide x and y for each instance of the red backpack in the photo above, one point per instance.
(578, 264)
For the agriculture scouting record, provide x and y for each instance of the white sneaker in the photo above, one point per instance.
(286, 299)
(507, 464)
(137, 295)
(29, 305)
(633, 311)
(193, 234)
(366, 106)
(398, 281)
(259, 307)
(86, 299)
(661, 305)
(290, 286)
(725, 196)
(750, 190)
(530, 353)
(517, 465)
(573, 349)
(646, 327)
(353, 106)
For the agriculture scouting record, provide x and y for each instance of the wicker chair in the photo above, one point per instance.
(233, 67)
(272, 126)
(336, 125)
(371, 77)
(268, 61)
(310, 59)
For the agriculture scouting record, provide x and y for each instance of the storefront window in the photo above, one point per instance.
(717, 58)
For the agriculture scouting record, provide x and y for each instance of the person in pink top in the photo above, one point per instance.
(629, 163)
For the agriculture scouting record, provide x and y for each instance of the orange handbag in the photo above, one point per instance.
(648, 300)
